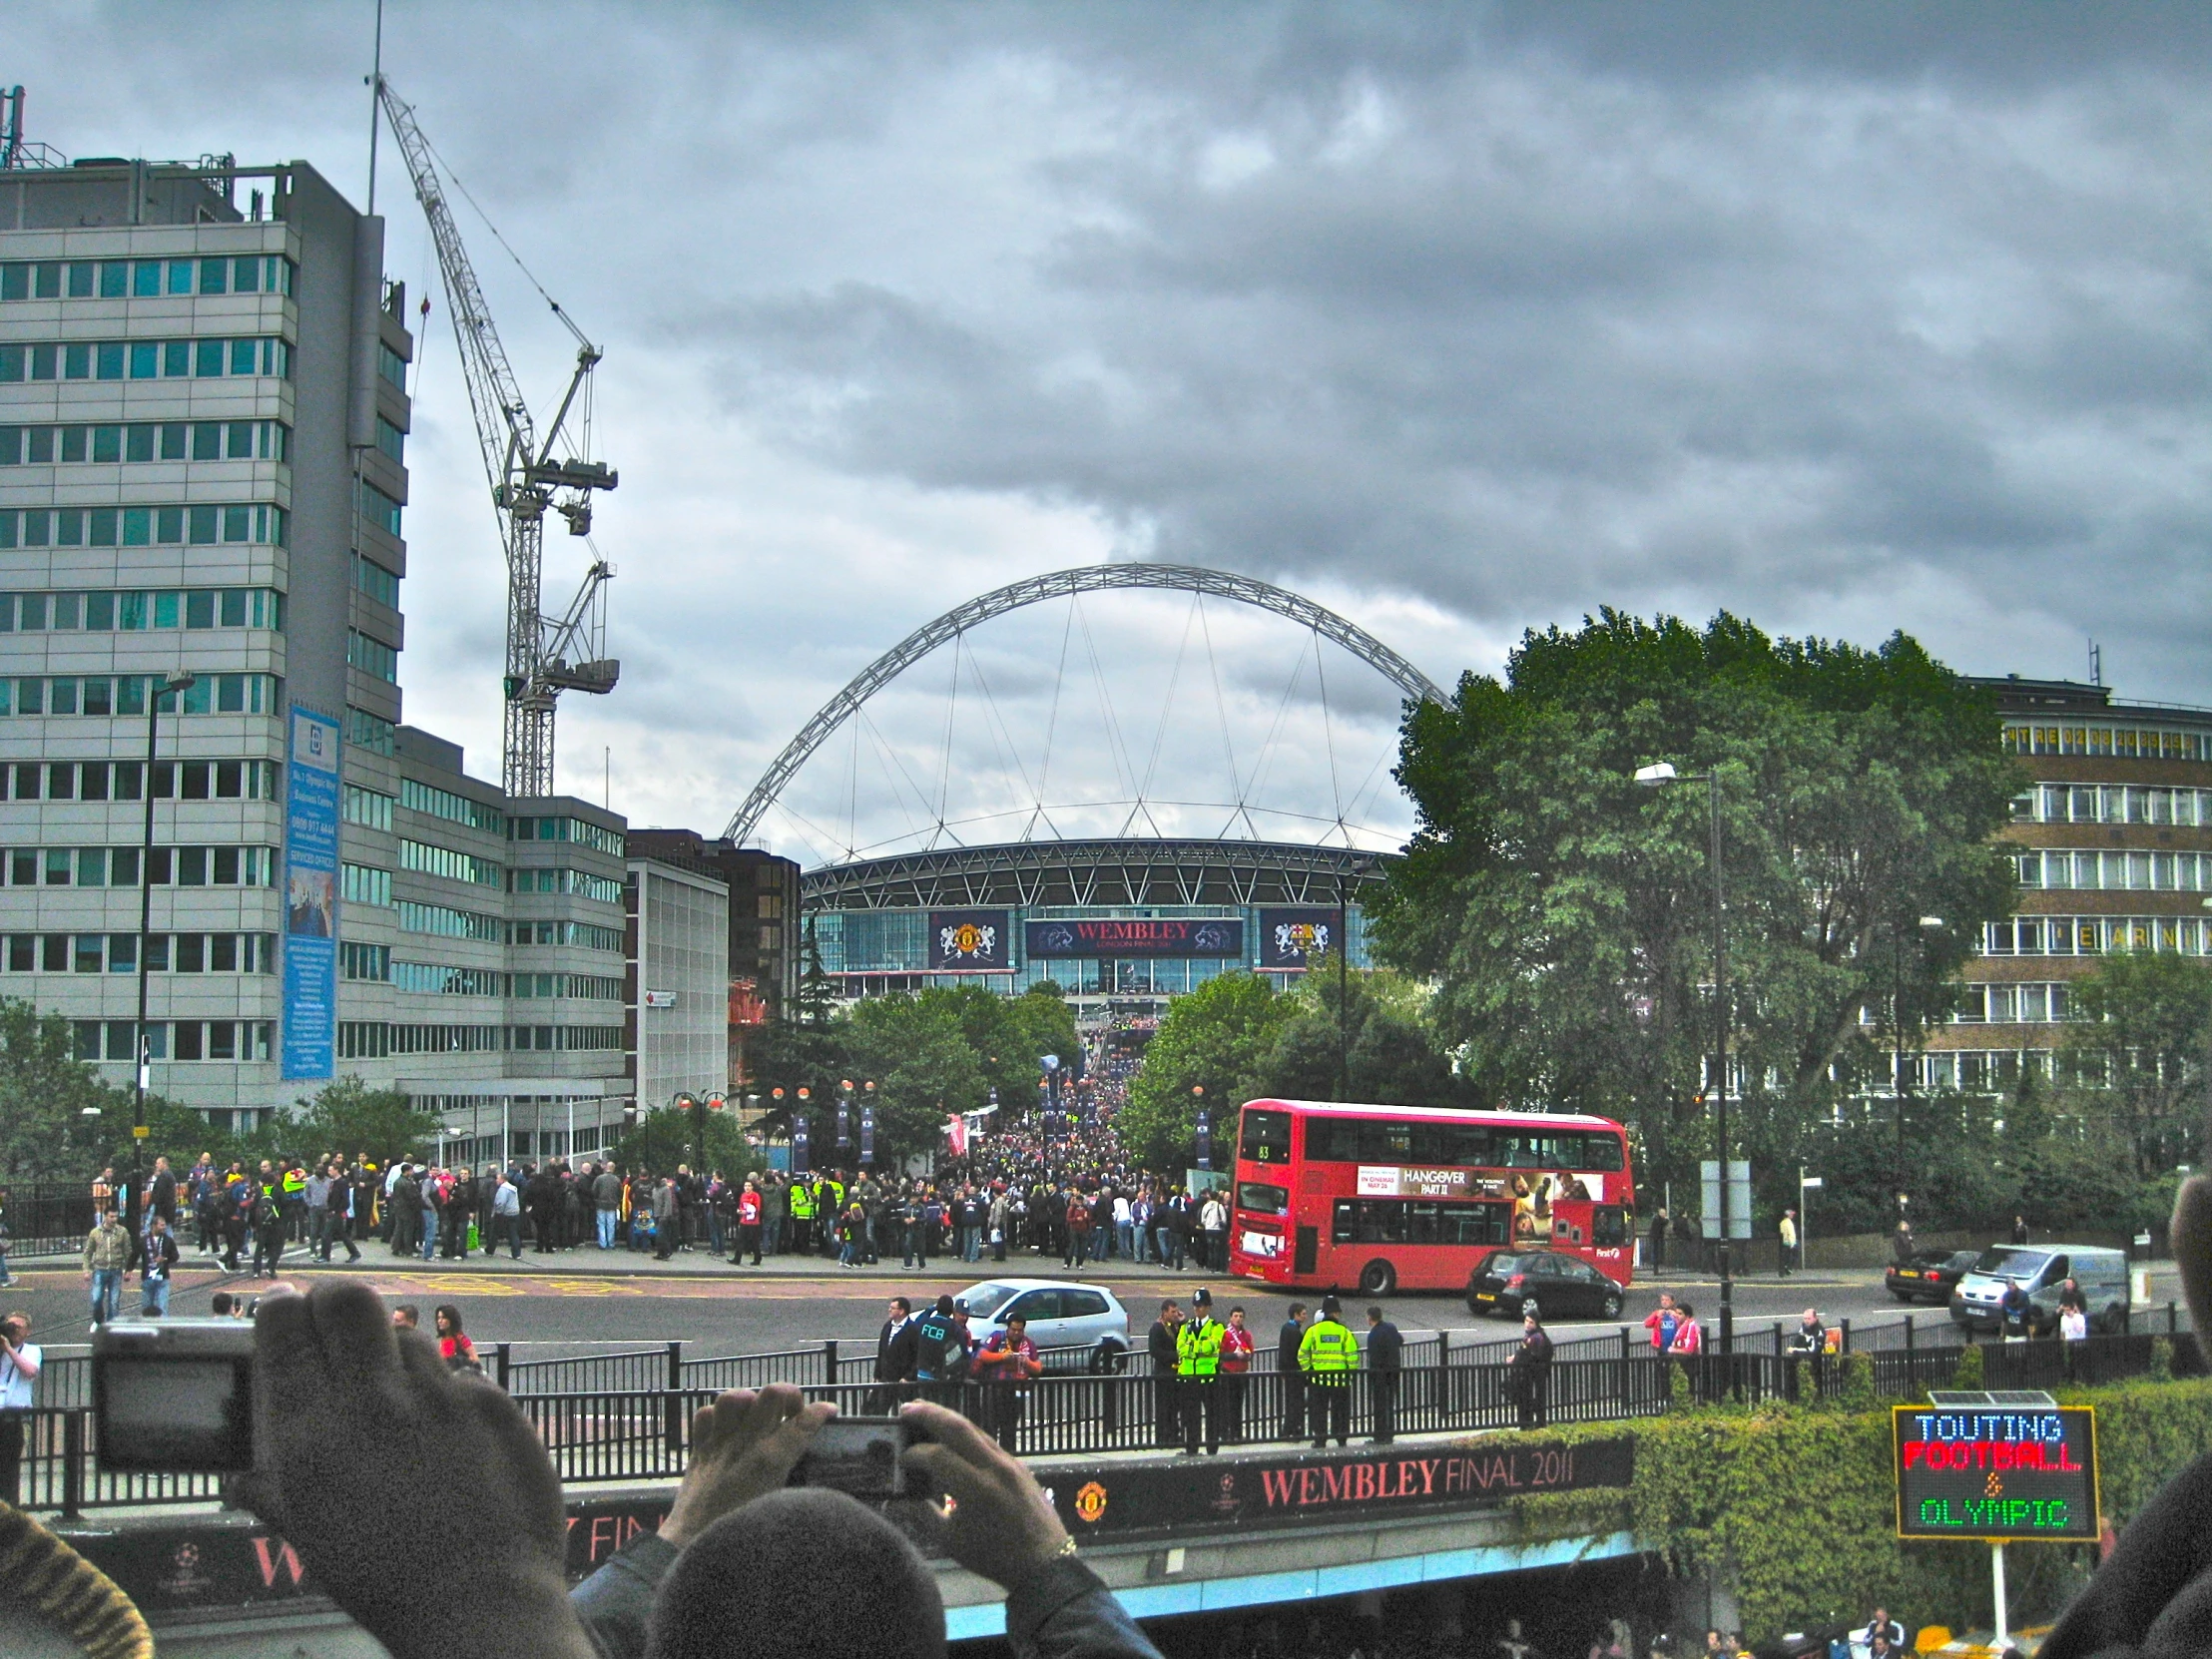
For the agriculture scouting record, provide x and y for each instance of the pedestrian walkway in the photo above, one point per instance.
(587, 1260)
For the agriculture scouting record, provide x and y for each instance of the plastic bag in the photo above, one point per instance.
(474, 1244)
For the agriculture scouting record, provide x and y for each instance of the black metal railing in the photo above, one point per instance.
(599, 1428)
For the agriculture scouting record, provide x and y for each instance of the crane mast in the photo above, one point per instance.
(545, 656)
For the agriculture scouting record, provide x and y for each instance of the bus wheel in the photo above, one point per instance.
(1378, 1279)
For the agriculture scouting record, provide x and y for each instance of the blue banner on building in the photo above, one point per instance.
(311, 896)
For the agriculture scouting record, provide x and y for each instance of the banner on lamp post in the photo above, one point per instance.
(867, 1137)
(798, 1145)
(1205, 1139)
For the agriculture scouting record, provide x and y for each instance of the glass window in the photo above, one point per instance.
(207, 358)
(115, 279)
(80, 282)
(214, 276)
(180, 275)
(176, 359)
(107, 363)
(242, 355)
(1260, 1199)
(1266, 1137)
(245, 274)
(77, 362)
(207, 441)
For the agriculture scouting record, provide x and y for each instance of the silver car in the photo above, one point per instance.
(1086, 1322)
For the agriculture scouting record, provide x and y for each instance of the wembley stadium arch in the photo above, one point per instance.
(1122, 922)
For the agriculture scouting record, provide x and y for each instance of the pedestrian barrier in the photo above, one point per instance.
(619, 1432)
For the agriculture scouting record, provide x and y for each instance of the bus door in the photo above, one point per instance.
(1600, 1234)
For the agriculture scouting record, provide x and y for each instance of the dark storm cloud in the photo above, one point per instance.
(1633, 307)
(1847, 318)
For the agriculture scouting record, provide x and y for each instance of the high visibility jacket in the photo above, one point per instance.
(834, 1193)
(295, 1182)
(802, 1202)
(1198, 1347)
(1328, 1355)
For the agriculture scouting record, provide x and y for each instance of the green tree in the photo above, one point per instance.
(44, 1096)
(1565, 912)
(1219, 1038)
(346, 1116)
(2137, 1045)
(924, 1070)
(1388, 1050)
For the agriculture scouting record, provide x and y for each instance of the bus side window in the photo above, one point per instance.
(1609, 1227)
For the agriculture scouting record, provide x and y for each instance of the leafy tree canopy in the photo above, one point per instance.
(350, 1118)
(1565, 913)
(2141, 1024)
(1219, 1038)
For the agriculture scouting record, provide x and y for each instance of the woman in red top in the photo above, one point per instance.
(1236, 1363)
(454, 1347)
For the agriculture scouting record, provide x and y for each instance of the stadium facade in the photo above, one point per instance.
(1121, 921)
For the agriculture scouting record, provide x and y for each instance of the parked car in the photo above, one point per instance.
(1086, 1321)
(1562, 1287)
(2043, 1270)
(1930, 1276)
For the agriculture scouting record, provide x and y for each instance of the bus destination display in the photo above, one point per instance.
(1994, 1473)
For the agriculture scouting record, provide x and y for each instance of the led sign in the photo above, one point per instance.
(1995, 1473)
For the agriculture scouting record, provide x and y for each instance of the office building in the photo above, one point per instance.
(203, 424)
(2112, 835)
(677, 983)
(764, 942)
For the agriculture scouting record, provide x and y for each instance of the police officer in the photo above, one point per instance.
(1198, 1364)
(1328, 1355)
(803, 1215)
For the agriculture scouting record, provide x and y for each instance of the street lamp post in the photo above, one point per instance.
(1654, 777)
(1901, 1085)
(172, 687)
(1358, 866)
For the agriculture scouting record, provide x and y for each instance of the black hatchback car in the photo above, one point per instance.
(1930, 1276)
(1562, 1287)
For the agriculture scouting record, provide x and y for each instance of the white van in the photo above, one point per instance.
(2101, 1274)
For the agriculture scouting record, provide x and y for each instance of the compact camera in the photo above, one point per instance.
(174, 1395)
(858, 1457)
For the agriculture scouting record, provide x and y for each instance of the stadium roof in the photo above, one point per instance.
(1116, 872)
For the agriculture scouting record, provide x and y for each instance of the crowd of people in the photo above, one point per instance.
(1058, 1185)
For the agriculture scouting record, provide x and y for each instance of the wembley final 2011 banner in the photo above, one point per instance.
(1178, 936)
(975, 940)
(311, 896)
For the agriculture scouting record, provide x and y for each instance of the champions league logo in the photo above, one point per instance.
(967, 942)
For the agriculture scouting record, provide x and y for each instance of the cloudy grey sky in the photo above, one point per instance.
(1460, 320)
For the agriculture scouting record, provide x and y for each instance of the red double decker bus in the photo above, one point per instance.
(1392, 1198)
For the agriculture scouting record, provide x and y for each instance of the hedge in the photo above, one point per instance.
(1797, 1506)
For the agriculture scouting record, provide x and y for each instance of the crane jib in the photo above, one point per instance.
(523, 478)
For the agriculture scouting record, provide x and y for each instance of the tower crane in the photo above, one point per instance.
(546, 654)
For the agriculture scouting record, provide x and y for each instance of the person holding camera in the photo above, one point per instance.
(1003, 1365)
(19, 1359)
